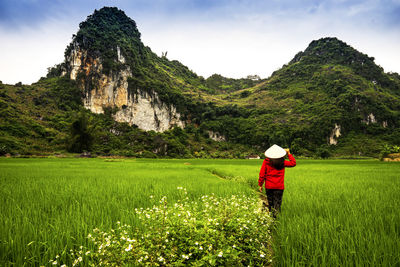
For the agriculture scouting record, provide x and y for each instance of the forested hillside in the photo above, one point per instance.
(329, 100)
(328, 86)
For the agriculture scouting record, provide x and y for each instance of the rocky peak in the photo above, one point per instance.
(332, 50)
(103, 56)
(110, 35)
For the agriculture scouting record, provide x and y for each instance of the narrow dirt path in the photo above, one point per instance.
(263, 204)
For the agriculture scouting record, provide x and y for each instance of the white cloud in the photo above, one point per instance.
(234, 40)
(27, 53)
(261, 42)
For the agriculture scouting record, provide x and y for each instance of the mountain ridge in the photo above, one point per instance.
(329, 97)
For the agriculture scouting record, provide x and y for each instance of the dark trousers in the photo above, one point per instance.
(274, 197)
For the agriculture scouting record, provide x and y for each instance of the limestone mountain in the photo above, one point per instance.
(114, 69)
(328, 91)
(330, 97)
(328, 94)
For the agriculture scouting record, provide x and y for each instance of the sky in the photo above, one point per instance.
(233, 38)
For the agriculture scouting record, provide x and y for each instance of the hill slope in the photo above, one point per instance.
(327, 91)
(330, 97)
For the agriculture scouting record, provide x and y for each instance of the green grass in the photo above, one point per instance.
(340, 213)
(335, 212)
(50, 205)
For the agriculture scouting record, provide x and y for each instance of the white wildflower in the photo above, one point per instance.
(262, 255)
(129, 248)
(220, 254)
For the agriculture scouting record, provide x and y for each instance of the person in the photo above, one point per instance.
(272, 173)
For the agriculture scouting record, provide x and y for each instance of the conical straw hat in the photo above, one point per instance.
(275, 152)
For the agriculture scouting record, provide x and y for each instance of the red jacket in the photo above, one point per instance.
(273, 177)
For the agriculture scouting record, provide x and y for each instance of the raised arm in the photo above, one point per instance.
(291, 162)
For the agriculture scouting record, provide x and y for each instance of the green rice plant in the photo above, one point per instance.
(340, 213)
(49, 206)
(334, 212)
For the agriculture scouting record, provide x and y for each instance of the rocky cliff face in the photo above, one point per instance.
(335, 134)
(101, 90)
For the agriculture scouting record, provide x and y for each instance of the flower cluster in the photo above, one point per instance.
(210, 231)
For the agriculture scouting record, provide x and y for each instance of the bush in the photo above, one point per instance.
(148, 154)
(81, 134)
(3, 149)
(388, 149)
(212, 231)
(323, 152)
(9, 144)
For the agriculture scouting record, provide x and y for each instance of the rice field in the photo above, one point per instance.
(340, 213)
(335, 212)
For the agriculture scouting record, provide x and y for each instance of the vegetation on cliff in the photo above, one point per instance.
(328, 86)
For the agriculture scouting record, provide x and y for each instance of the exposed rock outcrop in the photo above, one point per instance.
(149, 113)
(143, 109)
(332, 140)
(370, 118)
(216, 136)
(392, 157)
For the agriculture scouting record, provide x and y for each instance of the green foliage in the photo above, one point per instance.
(219, 83)
(67, 94)
(64, 199)
(214, 231)
(103, 31)
(389, 149)
(324, 209)
(328, 84)
(9, 144)
(323, 152)
(354, 144)
(334, 51)
(81, 135)
(55, 71)
(341, 208)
